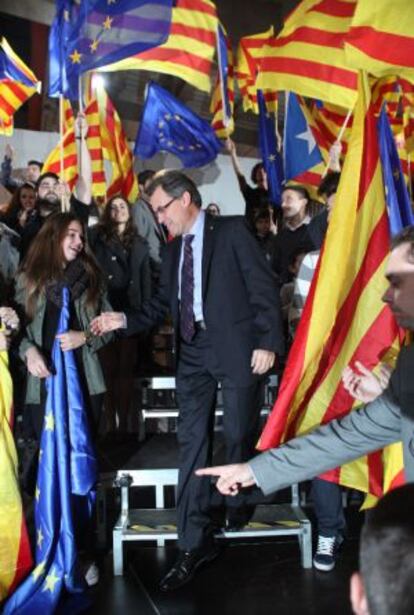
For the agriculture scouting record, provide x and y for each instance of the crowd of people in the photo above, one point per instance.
(234, 288)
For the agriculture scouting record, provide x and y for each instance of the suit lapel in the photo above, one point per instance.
(175, 263)
(208, 243)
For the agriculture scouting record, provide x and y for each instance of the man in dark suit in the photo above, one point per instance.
(223, 299)
(387, 419)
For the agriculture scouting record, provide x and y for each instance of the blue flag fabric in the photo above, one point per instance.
(107, 31)
(300, 149)
(67, 467)
(9, 70)
(400, 213)
(170, 126)
(66, 15)
(272, 161)
(223, 67)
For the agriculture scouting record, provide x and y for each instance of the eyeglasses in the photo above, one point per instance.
(163, 208)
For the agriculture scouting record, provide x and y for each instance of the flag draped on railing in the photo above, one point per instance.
(17, 84)
(344, 319)
(67, 467)
(15, 556)
(170, 126)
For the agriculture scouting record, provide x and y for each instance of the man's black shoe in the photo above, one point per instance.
(185, 567)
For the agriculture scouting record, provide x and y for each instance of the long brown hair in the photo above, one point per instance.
(108, 228)
(15, 203)
(45, 261)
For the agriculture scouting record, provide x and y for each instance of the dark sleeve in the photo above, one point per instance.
(5, 173)
(317, 228)
(83, 210)
(262, 289)
(152, 312)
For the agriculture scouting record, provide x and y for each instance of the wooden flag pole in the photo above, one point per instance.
(336, 148)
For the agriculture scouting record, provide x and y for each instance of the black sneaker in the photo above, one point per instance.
(326, 552)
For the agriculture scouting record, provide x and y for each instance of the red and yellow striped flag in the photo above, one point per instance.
(70, 156)
(116, 149)
(189, 50)
(344, 319)
(223, 88)
(381, 38)
(15, 555)
(94, 145)
(17, 84)
(327, 123)
(308, 58)
(250, 53)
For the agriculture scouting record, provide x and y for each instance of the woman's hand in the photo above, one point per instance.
(9, 318)
(71, 340)
(36, 363)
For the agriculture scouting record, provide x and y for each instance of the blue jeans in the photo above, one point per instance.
(327, 500)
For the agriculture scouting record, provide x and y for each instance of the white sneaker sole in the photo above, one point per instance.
(323, 567)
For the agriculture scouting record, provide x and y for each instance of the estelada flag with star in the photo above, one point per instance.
(66, 481)
(15, 555)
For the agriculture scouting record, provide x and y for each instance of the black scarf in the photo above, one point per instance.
(75, 278)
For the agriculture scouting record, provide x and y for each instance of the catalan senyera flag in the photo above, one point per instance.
(307, 56)
(248, 58)
(380, 39)
(17, 84)
(327, 121)
(94, 145)
(189, 50)
(70, 155)
(15, 555)
(344, 318)
(116, 149)
(222, 100)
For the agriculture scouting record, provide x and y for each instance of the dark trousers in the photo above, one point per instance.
(327, 500)
(197, 377)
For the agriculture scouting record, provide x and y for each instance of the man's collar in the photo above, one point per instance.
(305, 220)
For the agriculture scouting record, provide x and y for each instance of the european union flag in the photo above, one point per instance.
(107, 31)
(400, 213)
(67, 466)
(60, 30)
(300, 149)
(272, 161)
(168, 125)
(223, 68)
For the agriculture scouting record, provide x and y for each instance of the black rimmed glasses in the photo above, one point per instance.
(163, 208)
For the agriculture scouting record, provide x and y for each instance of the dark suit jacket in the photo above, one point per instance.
(240, 298)
(126, 272)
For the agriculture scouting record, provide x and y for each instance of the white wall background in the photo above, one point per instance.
(216, 182)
